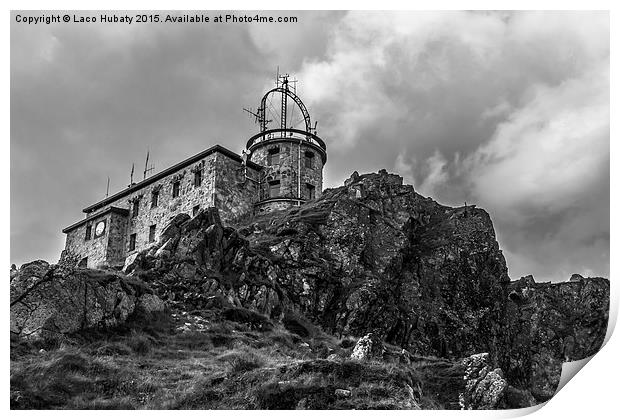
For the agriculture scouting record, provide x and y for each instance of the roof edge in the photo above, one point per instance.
(168, 171)
(111, 209)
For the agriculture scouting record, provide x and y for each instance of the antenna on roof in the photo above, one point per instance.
(131, 175)
(146, 165)
(107, 189)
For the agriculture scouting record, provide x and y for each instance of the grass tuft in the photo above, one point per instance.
(209, 360)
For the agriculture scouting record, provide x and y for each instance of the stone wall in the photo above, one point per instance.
(287, 168)
(117, 236)
(236, 189)
(94, 248)
(226, 183)
(168, 206)
(99, 250)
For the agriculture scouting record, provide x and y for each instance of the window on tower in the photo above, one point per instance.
(132, 242)
(273, 158)
(89, 230)
(274, 189)
(308, 159)
(175, 189)
(152, 229)
(310, 195)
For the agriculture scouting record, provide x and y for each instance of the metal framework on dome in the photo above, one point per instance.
(286, 89)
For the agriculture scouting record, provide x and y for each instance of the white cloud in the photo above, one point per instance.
(508, 110)
(549, 152)
(436, 175)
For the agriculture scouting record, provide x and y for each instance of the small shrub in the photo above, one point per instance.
(347, 342)
(216, 302)
(242, 360)
(297, 325)
(283, 338)
(53, 382)
(274, 396)
(252, 319)
(140, 344)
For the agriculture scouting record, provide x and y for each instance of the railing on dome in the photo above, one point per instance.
(287, 134)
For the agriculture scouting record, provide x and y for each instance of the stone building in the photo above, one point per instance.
(282, 167)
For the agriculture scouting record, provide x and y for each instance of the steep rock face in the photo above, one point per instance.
(551, 323)
(50, 301)
(371, 256)
(374, 257)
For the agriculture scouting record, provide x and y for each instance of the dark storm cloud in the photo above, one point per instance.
(87, 101)
(508, 111)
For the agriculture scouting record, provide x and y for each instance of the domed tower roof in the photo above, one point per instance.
(288, 148)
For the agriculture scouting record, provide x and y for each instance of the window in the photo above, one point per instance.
(136, 208)
(89, 230)
(195, 210)
(310, 191)
(273, 158)
(175, 189)
(152, 233)
(308, 158)
(274, 189)
(132, 242)
(197, 178)
(154, 198)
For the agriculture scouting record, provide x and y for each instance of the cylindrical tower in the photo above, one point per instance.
(292, 155)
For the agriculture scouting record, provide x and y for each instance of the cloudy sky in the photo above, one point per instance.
(509, 111)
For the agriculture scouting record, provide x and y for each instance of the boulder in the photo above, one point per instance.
(547, 324)
(484, 386)
(173, 229)
(576, 277)
(48, 302)
(133, 261)
(368, 347)
(342, 393)
(334, 357)
(148, 304)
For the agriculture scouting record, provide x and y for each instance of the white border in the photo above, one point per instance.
(592, 395)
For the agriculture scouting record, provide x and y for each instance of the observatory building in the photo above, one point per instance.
(281, 167)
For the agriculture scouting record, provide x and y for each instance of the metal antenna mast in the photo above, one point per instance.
(146, 165)
(284, 100)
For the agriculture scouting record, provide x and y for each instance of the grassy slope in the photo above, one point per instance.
(203, 360)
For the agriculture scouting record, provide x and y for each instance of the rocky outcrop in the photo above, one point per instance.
(484, 386)
(368, 347)
(372, 255)
(49, 301)
(547, 324)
